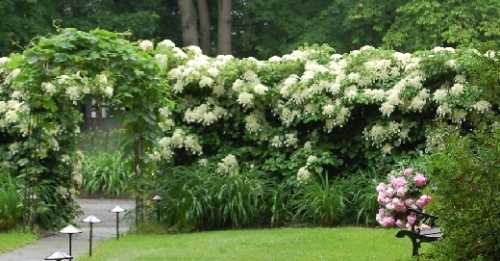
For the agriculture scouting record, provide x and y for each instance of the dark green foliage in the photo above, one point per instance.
(207, 200)
(10, 201)
(321, 203)
(466, 173)
(105, 173)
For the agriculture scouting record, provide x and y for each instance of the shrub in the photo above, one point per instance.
(466, 171)
(105, 173)
(10, 202)
(205, 199)
(321, 202)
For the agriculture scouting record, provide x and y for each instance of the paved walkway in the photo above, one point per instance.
(106, 229)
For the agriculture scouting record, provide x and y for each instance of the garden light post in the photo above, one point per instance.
(157, 199)
(70, 230)
(117, 210)
(91, 220)
(58, 256)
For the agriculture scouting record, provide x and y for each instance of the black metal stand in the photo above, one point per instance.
(117, 226)
(70, 245)
(90, 239)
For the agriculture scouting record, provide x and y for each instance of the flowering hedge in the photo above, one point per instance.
(306, 113)
(313, 111)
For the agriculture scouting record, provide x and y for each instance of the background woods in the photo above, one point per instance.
(263, 28)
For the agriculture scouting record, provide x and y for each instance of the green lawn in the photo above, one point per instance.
(12, 240)
(350, 243)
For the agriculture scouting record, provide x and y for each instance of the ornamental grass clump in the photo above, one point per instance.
(404, 191)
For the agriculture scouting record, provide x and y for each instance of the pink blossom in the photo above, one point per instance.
(390, 206)
(381, 187)
(389, 192)
(420, 180)
(387, 222)
(401, 223)
(399, 206)
(382, 200)
(408, 172)
(410, 202)
(398, 182)
(401, 192)
(423, 201)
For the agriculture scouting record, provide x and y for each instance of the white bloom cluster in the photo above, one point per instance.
(228, 165)
(388, 135)
(178, 140)
(146, 45)
(11, 111)
(205, 114)
(303, 175)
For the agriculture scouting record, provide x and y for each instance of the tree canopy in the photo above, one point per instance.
(263, 28)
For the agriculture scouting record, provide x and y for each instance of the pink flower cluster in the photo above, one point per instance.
(403, 191)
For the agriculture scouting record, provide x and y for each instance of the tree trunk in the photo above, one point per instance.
(224, 27)
(204, 15)
(189, 22)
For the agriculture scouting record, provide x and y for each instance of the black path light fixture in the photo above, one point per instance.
(117, 210)
(58, 256)
(70, 230)
(157, 199)
(91, 220)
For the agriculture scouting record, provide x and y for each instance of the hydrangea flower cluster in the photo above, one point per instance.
(324, 88)
(402, 192)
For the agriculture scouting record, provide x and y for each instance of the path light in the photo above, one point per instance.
(59, 256)
(117, 210)
(70, 230)
(91, 220)
(157, 199)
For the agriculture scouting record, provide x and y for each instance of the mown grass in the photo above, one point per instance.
(348, 243)
(12, 240)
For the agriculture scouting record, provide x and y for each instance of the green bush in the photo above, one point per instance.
(208, 200)
(466, 172)
(321, 203)
(10, 202)
(105, 173)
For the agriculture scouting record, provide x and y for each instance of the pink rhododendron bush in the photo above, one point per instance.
(403, 191)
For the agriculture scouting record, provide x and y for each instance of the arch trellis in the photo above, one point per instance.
(46, 86)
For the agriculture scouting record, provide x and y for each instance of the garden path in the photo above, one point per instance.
(106, 229)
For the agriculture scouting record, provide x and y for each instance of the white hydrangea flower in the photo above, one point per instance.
(4, 61)
(206, 81)
(457, 89)
(481, 106)
(291, 139)
(49, 88)
(303, 175)
(260, 89)
(387, 149)
(245, 99)
(228, 165)
(311, 160)
(443, 110)
(387, 109)
(252, 123)
(276, 142)
(328, 109)
(146, 45)
(166, 44)
(440, 95)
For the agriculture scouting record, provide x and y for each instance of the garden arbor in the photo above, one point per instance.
(41, 96)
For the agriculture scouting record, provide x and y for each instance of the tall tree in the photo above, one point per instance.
(204, 15)
(189, 22)
(224, 27)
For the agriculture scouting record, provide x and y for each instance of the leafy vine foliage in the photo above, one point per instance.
(41, 96)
